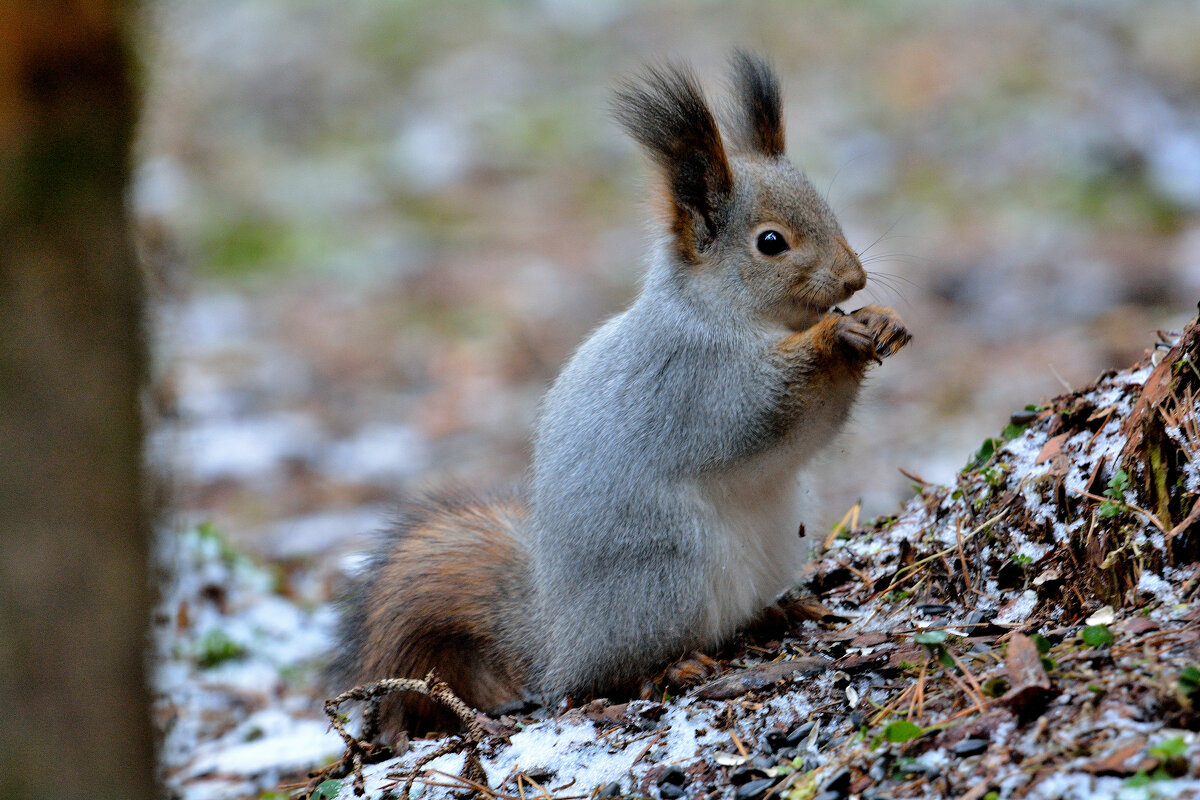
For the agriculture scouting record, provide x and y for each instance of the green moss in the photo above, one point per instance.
(1116, 197)
(246, 245)
(216, 648)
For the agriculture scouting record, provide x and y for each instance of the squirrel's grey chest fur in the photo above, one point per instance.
(658, 476)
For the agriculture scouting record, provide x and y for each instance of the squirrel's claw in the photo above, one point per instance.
(892, 341)
(888, 331)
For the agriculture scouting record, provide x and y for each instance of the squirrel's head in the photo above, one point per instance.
(744, 216)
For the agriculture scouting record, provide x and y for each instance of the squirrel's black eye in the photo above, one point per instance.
(771, 243)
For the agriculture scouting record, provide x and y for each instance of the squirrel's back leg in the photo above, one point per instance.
(442, 591)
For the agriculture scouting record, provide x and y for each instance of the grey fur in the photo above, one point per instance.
(660, 512)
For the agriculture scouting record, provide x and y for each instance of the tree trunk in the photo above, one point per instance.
(74, 595)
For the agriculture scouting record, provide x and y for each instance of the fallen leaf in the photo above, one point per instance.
(747, 680)
(1030, 685)
(1051, 448)
(1136, 625)
(869, 639)
(1121, 760)
(1046, 577)
(864, 662)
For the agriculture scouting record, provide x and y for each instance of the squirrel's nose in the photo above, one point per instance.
(857, 278)
(853, 275)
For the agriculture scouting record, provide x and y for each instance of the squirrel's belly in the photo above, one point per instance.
(754, 549)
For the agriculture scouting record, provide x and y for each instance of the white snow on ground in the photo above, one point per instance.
(577, 752)
(243, 448)
(234, 673)
(1017, 609)
(268, 741)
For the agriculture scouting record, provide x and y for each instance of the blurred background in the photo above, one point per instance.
(376, 229)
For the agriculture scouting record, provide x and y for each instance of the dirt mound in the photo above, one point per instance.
(1031, 631)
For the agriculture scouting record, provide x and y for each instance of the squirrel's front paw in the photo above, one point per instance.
(883, 326)
(871, 333)
(851, 339)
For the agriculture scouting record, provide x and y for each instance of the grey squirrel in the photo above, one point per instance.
(659, 516)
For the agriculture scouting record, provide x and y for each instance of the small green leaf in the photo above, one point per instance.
(1142, 778)
(930, 638)
(1189, 679)
(901, 730)
(1109, 508)
(986, 451)
(1043, 644)
(327, 790)
(1012, 431)
(1171, 748)
(1048, 663)
(1138, 780)
(1097, 635)
(945, 659)
(995, 687)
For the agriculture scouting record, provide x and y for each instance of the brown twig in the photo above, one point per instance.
(463, 783)
(957, 716)
(918, 698)
(976, 700)
(1148, 515)
(962, 556)
(982, 698)
(537, 786)
(360, 751)
(849, 522)
(911, 568)
(646, 749)
(895, 701)
(862, 576)
(1153, 638)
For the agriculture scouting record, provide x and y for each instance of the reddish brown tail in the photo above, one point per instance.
(443, 591)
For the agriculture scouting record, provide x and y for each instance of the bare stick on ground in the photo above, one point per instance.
(362, 750)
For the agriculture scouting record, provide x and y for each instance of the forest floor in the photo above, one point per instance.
(378, 235)
(375, 233)
(1031, 631)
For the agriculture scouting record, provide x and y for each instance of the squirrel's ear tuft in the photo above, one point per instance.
(665, 111)
(758, 108)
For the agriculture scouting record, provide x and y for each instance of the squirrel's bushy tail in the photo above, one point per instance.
(442, 592)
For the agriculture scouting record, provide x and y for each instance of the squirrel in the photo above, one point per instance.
(659, 517)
